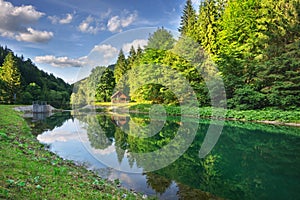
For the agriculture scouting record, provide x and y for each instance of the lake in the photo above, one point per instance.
(249, 161)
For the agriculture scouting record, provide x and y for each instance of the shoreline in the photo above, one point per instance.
(28, 109)
(140, 111)
(30, 171)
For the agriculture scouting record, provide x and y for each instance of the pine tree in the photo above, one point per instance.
(188, 20)
(210, 12)
(121, 66)
(11, 77)
(279, 74)
(139, 52)
(132, 57)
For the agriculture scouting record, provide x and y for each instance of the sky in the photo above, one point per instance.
(67, 38)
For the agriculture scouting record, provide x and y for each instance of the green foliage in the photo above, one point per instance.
(105, 86)
(206, 112)
(28, 171)
(229, 165)
(161, 39)
(254, 44)
(11, 77)
(85, 90)
(29, 83)
(188, 20)
(208, 24)
(121, 66)
(247, 98)
(279, 78)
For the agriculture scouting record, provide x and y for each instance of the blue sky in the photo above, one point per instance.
(69, 37)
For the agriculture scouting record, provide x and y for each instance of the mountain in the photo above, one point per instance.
(34, 84)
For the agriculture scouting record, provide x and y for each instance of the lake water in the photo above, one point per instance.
(249, 161)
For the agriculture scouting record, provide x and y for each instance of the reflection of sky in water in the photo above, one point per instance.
(70, 141)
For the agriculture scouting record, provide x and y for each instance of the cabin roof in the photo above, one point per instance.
(118, 94)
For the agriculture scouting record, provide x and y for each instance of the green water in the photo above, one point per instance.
(249, 161)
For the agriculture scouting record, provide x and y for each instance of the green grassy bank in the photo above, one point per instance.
(28, 171)
(267, 116)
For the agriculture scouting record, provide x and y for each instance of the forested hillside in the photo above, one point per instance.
(255, 45)
(22, 82)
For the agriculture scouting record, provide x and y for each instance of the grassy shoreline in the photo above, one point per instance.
(276, 117)
(28, 171)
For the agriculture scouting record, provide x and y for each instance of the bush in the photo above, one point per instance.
(246, 98)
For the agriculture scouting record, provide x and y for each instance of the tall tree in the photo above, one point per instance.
(121, 66)
(106, 86)
(161, 39)
(210, 12)
(278, 75)
(188, 20)
(241, 42)
(11, 77)
(132, 56)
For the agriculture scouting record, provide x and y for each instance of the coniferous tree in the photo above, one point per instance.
(241, 43)
(11, 77)
(188, 20)
(121, 66)
(132, 56)
(279, 74)
(210, 12)
(139, 52)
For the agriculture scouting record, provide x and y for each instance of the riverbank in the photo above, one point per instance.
(278, 117)
(275, 117)
(28, 171)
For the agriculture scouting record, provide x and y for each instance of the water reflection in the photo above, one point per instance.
(250, 161)
(40, 122)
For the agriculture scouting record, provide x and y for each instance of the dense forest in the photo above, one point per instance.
(22, 82)
(255, 45)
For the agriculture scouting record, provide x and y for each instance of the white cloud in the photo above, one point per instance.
(90, 25)
(60, 61)
(34, 36)
(99, 55)
(116, 23)
(135, 43)
(68, 19)
(57, 135)
(103, 22)
(14, 22)
(107, 51)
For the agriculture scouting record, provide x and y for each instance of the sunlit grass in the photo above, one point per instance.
(28, 171)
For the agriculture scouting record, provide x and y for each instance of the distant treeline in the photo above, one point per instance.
(22, 82)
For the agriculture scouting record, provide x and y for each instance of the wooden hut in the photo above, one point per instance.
(119, 97)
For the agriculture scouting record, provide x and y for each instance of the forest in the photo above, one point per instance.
(21, 82)
(254, 44)
(251, 45)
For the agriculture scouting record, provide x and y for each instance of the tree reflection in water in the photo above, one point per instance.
(241, 166)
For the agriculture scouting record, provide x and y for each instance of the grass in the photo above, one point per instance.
(243, 115)
(114, 104)
(28, 171)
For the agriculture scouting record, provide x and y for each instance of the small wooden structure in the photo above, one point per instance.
(40, 107)
(119, 120)
(119, 97)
